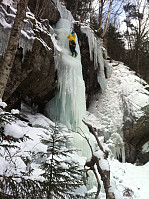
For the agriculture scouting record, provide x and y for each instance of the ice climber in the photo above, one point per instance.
(72, 44)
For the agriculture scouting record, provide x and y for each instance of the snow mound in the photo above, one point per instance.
(13, 130)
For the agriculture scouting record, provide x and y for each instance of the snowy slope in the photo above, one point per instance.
(126, 178)
(131, 179)
(124, 90)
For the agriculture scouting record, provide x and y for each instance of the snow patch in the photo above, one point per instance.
(13, 130)
(145, 147)
(15, 111)
(7, 2)
(2, 104)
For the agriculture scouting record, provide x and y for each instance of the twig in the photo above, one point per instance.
(105, 174)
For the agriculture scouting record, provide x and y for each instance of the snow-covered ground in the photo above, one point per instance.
(130, 180)
(124, 91)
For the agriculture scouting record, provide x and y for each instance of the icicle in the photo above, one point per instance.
(27, 37)
(116, 145)
(6, 22)
(96, 54)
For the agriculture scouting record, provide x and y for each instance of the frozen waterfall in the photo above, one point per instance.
(69, 105)
(70, 99)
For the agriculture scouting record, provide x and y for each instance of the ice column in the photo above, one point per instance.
(69, 104)
(70, 98)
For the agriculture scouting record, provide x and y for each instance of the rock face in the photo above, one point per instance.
(44, 9)
(88, 69)
(33, 73)
(135, 136)
(35, 77)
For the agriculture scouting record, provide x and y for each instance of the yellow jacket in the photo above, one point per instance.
(71, 37)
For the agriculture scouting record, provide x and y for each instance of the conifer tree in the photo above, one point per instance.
(115, 43)
(137, 36)
(14, 184)
(62, 174)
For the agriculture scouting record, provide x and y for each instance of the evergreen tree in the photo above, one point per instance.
(62, 174)
(115, 44)
(137, 37)
(14, 183)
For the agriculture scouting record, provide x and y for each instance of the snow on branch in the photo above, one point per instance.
(99, 159)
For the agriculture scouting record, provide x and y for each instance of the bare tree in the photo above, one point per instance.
(94, 161)
(137, 22)
(115, 13)
(108, 10)
(104, 11)
(7, 64)
(107, 19)
(76, 8)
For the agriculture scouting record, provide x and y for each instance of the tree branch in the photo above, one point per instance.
(105, 174)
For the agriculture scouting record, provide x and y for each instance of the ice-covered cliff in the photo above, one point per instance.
(120, 110)
(115, 111)
(34, 60)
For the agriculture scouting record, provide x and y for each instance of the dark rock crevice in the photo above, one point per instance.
(89, 73)
(135, 137)
(35, 77)
(33, 73)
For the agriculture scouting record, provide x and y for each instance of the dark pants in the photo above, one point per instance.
(72, 46)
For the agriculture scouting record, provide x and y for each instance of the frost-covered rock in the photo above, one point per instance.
(33, 73)
(7, 15)
(95, 67)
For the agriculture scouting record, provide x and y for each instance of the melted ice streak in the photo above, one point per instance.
(68, 106)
